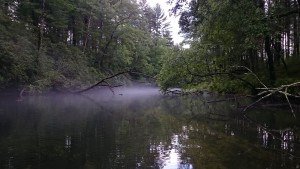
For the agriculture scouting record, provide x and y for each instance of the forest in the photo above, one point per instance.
(62, 44)
(234, 46)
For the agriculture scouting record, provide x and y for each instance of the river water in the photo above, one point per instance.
(138, 128)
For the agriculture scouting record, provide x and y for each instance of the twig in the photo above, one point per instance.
(252, 74)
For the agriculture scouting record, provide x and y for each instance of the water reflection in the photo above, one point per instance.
(281, 140)
(263, 135)
(68, 142)
(142, 130)
(287, 139)
(170, 157)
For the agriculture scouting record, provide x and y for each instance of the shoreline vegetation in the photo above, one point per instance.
(241, 48)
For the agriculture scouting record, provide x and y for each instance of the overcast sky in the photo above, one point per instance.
(174, 21)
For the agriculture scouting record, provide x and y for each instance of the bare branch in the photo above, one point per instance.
(252, 74)
(283, 89)
(104, 81)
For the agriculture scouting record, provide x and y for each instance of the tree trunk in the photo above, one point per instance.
(288, 41)
(277, 47)
(6, 8)
(296, 37)
(252, 59)
(41, 25)
(74, 34)
(88, 23)
(270, 59)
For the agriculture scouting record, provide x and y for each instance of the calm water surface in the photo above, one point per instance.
(137, 128)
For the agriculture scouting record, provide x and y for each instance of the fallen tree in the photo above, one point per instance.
(282, 90)
(104, 80)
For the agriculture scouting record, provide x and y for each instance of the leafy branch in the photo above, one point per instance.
(228, 73)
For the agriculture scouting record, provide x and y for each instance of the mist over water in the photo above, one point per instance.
(119, 93)
(122, 95)
(137, 127)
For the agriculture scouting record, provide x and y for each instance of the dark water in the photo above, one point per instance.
(139, 128)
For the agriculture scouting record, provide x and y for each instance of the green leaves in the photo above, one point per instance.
(68, 43)
(229, 33)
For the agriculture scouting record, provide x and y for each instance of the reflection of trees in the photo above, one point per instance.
(47, 132)
(226, 138)
(277, 131)
(243, 143)
(197, 108)
(55, 133)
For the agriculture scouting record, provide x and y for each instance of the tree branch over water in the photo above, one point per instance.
(283, 89)
(231, 73)
(267, 92)
(104, 80)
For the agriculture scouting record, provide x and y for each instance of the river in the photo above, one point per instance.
(139, 128)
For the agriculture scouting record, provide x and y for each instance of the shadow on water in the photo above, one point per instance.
(140, 128)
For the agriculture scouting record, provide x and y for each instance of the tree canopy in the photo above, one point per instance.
(227, 36)
(64, 44)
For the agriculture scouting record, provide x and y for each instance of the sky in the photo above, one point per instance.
(174, 21)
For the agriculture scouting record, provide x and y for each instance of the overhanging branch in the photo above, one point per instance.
(230, 73)
(104, 80)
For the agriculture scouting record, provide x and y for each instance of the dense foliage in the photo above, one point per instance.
(227, 36)
(65, 44)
